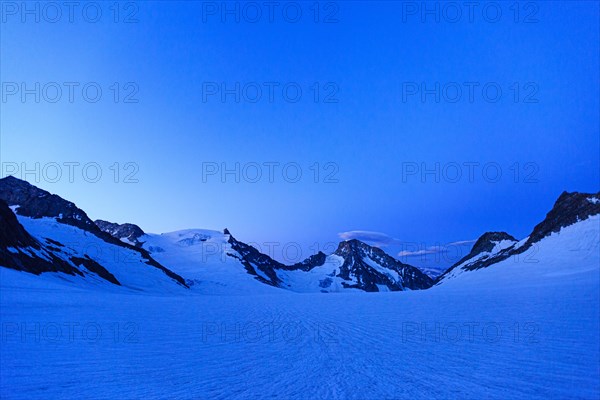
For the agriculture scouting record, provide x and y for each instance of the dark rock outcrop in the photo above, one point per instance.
(568, 209)
(316, 260)
(12, 233)
(256, 263)
(94, 267)
(487, 242)
(22, 252)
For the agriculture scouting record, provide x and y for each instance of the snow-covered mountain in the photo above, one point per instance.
(41, 232)
(573, 219)
(524, 312)
(50, 234)
(215, 262)
(355, 265)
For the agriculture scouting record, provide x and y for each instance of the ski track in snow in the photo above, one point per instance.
(317, 346)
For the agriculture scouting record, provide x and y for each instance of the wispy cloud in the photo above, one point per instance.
(434, 249)
(428, 250)
(410, 249)
(461, 242)
(378, 239)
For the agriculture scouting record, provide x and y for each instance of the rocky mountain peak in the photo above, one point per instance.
(129, 232)
(568, 209)
(352, 246)
(37, 203)
(488, 241)
(373, 268)
(485, 244)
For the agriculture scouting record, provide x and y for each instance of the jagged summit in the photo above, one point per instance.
(350, 246)
(371, 269)
(126, 232)
(486, 243)
(355, 265)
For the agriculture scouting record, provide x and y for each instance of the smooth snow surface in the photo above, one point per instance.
(515, 330)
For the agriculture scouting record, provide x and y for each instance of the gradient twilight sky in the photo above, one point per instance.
(371, 135)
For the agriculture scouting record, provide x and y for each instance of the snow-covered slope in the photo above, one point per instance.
(130, 268)
(207, 261)
(43, 234)
(567, 236)
(65, 240)
(487, 246)
(569, 255)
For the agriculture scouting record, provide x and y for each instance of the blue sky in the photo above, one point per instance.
(369, 135)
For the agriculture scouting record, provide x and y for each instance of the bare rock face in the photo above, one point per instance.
(37, 203)
(568, 209)
(488, 241)
(256, 263)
